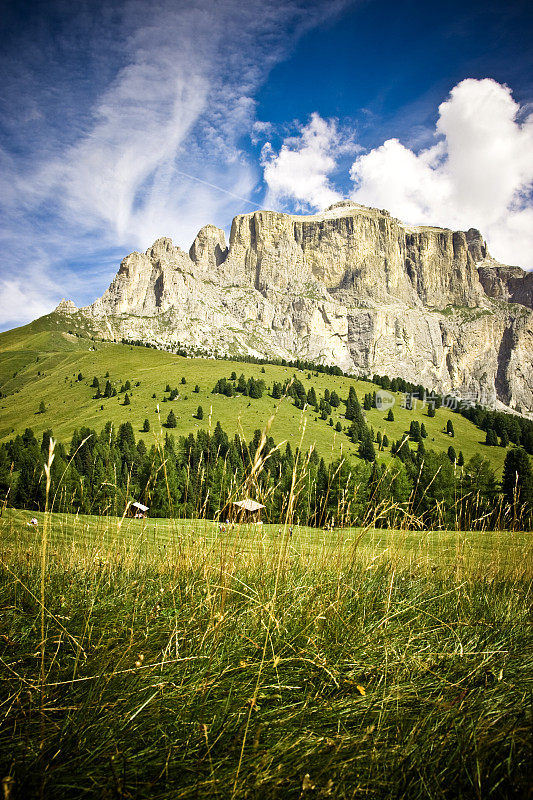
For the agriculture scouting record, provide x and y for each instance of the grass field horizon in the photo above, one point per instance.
(171, 659)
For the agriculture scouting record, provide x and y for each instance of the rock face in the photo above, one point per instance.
(350, 286)
(66, 307)
(512, 284)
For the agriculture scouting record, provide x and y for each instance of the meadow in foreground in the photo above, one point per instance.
(180, 661)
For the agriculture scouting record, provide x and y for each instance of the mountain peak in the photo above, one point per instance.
(350, 286)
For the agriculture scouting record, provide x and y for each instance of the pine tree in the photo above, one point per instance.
(146, 426)
(197, 388)
(385, 442)
(183, 381)
(311, 397)
(423, 431)
(334, 399)
(42, 407)
(199, 413)
(517, 481)
(108, 391)
(80, 376)
(414, 430)
(452, 455)
(460, 459)
(449, 428)
(491, 438)
(431, 410)
(366, 448)
(96, 383)
(127, 400)
(351, 404)
(171, 420)
(390, 416)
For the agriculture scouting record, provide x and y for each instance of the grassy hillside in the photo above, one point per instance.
(42, 361)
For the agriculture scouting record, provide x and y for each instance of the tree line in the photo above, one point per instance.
(195, 476)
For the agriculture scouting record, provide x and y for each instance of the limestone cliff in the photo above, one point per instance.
(351, 286)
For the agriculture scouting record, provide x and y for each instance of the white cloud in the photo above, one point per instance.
(299, 172)
(98, 156)
(16, 297)
(479, 174)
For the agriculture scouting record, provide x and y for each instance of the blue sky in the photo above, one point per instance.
(124, 121)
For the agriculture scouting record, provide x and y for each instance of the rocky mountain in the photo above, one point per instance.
(351, 286)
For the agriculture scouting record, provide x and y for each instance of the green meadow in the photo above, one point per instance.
(42, 361)
(171, 659)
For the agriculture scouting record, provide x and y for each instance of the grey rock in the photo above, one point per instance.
(350, 286)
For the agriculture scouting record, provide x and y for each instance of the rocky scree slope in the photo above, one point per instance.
(350, 286)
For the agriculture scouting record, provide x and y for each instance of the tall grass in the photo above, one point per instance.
(176, 660)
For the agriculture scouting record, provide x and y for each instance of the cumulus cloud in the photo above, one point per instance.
(300, 171)
(478, 174)
(115, 111)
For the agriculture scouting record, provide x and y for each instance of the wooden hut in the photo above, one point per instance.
(245, 510)
(138, 511)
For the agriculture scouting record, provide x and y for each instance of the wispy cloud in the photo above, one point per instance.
(112, 110)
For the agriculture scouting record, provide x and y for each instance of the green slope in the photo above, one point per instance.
(41, 362)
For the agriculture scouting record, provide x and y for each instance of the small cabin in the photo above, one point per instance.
(245, 510)
(138, 511)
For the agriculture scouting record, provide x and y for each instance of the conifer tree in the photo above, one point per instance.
(276, 390)
(171, 420)
(366, 448)
(517, 481)
(199, 413)
(491, 438)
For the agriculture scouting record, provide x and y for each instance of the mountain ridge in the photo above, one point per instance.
(351, 286)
